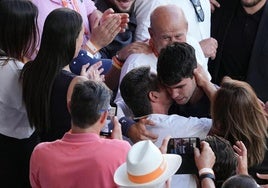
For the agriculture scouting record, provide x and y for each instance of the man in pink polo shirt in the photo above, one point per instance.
(81, 158)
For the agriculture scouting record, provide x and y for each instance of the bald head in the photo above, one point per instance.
(168, 25)
(167, 14)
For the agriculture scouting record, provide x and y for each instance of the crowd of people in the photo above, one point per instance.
(172, 69)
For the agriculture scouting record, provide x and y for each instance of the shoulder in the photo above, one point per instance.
(43, 149)
(117, 145)
(140, 59)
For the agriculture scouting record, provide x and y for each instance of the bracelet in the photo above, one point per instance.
(207, 175)
(205, 171)
(117, 57)
(92, 48)
(116, 66)
(117, 63)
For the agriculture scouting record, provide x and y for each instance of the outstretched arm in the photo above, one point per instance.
(204, 160)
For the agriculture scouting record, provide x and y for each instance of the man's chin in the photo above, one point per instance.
(181, 101)
(125, 7)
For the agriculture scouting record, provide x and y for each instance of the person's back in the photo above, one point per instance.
(81, 158)
(77, 160)
(18, 34)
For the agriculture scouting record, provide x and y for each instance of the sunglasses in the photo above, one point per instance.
(198, 10)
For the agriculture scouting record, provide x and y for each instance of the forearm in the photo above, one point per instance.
(112, 78)
(126, 123)
(210, 90)
(207, 183)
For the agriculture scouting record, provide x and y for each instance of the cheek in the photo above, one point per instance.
(161, 44)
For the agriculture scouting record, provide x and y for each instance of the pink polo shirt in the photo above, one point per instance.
(77, 160)
(85, 8)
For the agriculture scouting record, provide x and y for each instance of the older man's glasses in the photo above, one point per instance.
(198, 10)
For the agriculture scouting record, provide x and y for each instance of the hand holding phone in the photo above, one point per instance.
(108, 127)
(185, 148)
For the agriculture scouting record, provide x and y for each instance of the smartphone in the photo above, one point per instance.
(185, 148)
(108, 127)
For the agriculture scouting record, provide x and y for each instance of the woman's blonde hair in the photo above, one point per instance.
(238, 115)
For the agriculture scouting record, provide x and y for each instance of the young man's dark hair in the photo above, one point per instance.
(176, 62)
(89, 100)
(175, 70)
(139, 82)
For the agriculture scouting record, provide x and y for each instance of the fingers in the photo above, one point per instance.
(241, 154)
(106, 13)
(117, 133)
(138, 131)
(209, 47)
(196, 152)
(240, 148)
(262, 176)
(124, 21)
(112, 23)
(206, 158)
(84, 69)
(213, 5)
(104, 33)
(96, 66)
(135, 47)
(164, 145)
(93, 72)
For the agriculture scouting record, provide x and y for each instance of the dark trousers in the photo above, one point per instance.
(14, 160)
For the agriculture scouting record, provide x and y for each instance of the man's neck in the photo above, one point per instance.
(256, 8)
(197, 95)
(160, 108)
(92, 129)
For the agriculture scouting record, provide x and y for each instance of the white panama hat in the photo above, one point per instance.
(146, 166)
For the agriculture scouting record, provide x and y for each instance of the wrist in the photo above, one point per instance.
(117, 55)
(207, 176)
(116, 63)
(205, 171)
(91, 47)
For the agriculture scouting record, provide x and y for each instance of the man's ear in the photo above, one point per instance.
(69, 106)
(150, 32)
(103, 117)
(153, 96)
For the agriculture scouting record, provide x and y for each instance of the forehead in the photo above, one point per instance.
(183, 82)
(169, 28)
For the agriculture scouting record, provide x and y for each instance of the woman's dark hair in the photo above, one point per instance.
(18, 28)
(57, 49)
(238, 115)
